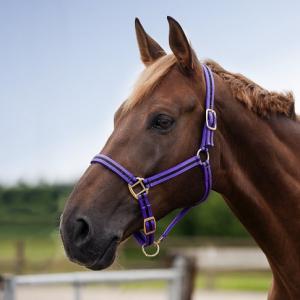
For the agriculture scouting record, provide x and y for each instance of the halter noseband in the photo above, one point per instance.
(139, 187)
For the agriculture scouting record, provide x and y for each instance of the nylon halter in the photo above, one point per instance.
(139, 187)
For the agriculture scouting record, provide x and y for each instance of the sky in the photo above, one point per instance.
(66, 66)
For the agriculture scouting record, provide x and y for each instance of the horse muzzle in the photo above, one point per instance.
(84, 246)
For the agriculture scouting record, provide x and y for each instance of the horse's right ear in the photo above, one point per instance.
(180, 46)
(150, 50)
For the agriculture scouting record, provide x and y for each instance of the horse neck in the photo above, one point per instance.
(257, 171)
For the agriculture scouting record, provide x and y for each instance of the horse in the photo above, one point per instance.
(255, 161)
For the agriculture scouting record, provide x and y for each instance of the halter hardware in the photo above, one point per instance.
(139, 187)
(210, 111)
(206, 153)
(150, 219)
(156, 244)
(140, 183)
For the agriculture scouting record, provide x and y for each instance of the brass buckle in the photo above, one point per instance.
(140, 182)
(145, 229)
(209, 110)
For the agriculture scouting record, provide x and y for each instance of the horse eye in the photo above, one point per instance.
(162, 122)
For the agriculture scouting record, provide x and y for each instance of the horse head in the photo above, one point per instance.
(158, 126)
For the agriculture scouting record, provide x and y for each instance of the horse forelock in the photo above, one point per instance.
(150, 77)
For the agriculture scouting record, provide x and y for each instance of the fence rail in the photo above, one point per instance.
(178, 277)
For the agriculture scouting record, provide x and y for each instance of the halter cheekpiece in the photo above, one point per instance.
(139, 187)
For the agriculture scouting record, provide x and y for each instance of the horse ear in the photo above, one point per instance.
(180, 45)
(150, 50)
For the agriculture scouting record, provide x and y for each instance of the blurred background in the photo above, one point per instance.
(66, 66)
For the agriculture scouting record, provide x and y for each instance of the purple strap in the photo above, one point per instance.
(115, 167)
(172, 172)
(208, 182)
(146, 238)
(210, 115)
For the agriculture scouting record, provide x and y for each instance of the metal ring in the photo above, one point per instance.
(151, 254)
(207, 156)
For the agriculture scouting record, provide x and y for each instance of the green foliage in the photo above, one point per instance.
(212, 218)
(24, 208)
(31, 210)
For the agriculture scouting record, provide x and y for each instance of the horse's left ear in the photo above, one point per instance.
(150, 50)
(180, 45)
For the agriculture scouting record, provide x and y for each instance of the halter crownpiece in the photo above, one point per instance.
(139, 187)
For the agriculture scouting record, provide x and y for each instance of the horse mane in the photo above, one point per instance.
(255, 98)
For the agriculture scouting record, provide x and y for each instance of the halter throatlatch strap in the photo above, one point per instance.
(139, 187)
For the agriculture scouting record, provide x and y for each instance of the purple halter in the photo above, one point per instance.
(139, 187)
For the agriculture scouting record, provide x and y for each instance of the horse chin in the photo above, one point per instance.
(105, 259)
(94, 262)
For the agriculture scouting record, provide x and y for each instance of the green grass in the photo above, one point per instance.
(249, 281)
(41, 255)
(246, 281)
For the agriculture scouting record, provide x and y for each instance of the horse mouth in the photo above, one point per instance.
(106, 258)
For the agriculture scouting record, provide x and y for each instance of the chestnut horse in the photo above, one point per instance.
(255, 162)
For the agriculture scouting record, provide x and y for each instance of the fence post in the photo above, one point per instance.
(181, 288)
(1, 287)
(9, 288)
(77, 290)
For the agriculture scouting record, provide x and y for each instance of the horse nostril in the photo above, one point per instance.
(81, 231)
